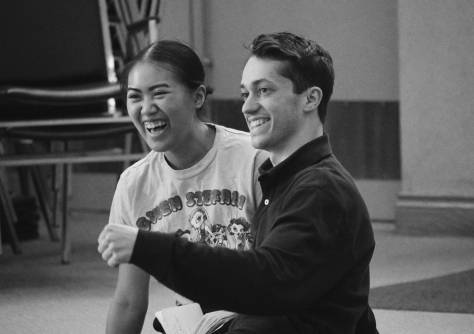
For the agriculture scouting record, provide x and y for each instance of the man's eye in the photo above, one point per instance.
(245, 96)
(263, 90)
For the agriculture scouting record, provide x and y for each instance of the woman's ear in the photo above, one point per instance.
(200, 96)
(314, 95)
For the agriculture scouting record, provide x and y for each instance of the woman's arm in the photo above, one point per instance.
(130, 302)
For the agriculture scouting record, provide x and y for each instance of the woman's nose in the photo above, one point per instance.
(148, 107)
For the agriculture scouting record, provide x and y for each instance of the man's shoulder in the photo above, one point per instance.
(329, 176)
(329, 180)
(327, 168)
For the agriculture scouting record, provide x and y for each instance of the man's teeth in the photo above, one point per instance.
(258, 122)
(152, 125)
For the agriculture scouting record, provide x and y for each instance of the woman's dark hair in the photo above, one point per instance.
(304, 62)
(180, 58)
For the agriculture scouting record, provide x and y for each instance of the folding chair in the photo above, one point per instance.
(138, 24)
(57, 84)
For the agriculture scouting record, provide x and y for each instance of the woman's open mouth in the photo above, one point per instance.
(155, 127)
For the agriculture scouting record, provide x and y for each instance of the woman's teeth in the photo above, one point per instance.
(155, 126)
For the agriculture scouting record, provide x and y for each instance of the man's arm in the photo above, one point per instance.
(130, 302)
(306, 251)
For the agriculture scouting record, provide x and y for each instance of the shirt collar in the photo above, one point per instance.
(307, 155)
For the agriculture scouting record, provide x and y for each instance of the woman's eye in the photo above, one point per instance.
(263, 90)
(159, 94)
(244, 95)
(132, 96)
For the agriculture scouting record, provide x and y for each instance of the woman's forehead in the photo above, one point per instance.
(146, 73)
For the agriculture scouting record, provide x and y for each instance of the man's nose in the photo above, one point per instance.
(251, 105)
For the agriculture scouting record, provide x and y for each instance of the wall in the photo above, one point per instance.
(437, 80)
(360, 35)
(174, 20)
(437, 117)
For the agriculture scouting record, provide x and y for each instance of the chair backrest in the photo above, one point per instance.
(138, 24)
(54, 42)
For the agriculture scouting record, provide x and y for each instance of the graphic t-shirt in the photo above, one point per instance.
(212, 202)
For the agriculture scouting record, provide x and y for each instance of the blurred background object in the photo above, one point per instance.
(60, 97)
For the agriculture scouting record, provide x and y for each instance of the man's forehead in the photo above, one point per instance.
(258, 70)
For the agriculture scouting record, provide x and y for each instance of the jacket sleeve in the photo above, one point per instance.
(307, 250)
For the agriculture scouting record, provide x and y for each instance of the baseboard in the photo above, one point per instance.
(380, 197)
(434, 216)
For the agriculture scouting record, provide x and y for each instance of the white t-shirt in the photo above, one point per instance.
(212, 202)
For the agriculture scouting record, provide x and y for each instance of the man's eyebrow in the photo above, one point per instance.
(255, 82)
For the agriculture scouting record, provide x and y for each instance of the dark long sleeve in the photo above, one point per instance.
(307, 251)
(308, 269)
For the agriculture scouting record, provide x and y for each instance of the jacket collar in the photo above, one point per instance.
(307, 155)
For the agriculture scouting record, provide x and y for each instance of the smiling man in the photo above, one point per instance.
(308, 268)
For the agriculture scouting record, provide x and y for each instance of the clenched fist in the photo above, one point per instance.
(116, 244)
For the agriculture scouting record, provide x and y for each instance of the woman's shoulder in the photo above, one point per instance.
(141, 166)
(230, 136)
(238, 143)
(231, 131)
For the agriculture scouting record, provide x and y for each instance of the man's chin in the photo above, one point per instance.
(258, 142)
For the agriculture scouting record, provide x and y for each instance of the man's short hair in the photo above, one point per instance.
(304, 62)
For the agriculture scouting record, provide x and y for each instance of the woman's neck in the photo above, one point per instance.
(197, 146)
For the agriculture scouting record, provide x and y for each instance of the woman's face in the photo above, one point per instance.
(161, 107)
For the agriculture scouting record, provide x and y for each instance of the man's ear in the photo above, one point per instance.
(200, 96)
(314, 95)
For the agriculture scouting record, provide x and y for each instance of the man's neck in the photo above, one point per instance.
(280, 154)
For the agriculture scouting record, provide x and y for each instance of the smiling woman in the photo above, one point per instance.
(164, 88)
(198, 180)
(164, 112)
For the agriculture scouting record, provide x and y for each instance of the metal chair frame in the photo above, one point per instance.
(63, 160)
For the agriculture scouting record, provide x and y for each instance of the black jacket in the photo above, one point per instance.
(308, 270)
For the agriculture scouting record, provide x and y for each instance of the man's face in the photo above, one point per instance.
(274, 113)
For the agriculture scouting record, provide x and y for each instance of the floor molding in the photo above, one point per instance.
(428, 216)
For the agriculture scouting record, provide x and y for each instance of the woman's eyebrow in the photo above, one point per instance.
(161, 85)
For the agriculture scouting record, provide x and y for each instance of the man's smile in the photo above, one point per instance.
(255, 123)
